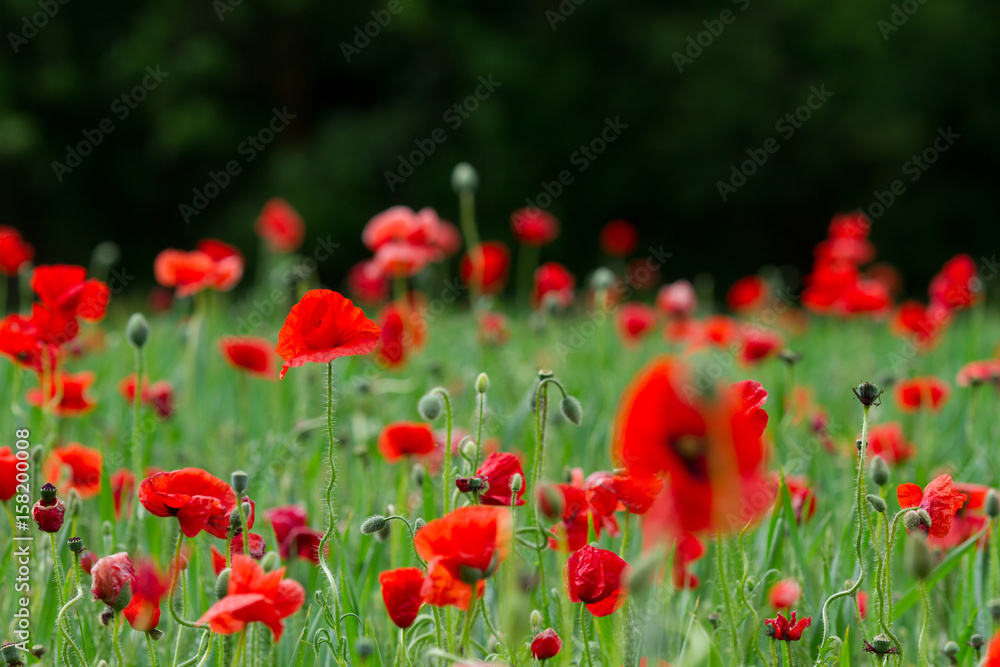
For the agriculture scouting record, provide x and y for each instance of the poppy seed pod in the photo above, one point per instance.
(877, 504)
(482, 383)
(10, 654)
(464, 178)
(917, 558)
(992, 504)
(881, 644)
(222, 583)
(977, 641)
(868, 393)
(879, 471)
(50, 511)
(155, 634)
(373, 524)
(950, 651)
(429, 406)
(571, 410)
(239, 480)
(75, 544)
(137, 330)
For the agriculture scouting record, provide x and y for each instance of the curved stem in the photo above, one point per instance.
(61, 623)
(331, 483)
(176, 567)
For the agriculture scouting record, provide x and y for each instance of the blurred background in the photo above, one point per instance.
(364, 86)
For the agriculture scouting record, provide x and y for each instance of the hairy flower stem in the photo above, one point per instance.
(923, 623)
(114, 639)
(467, 220)
(137, 470)
(173, 585)
(741, 592)
(470, 618)
(58, 581)
(331, 483)
(995, 558)
(586, 636)
(720, 564)
(61, 623)
(153, 661)
(446, 473)
(479, 432)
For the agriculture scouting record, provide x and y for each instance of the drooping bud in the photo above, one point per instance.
(925, 517)
(270, 562)
(994, 607)
(468, 446)
(429, 406)
(373, 524)
(418, 523)
(877, 503)
(155, 634)
(977, 641)
(790, 357)
(571, 410)
(879, 470)
(482, 383)
(911, 521)
(235, 522)
(917, 557)
(992, 504)
(239, 480)
(222, 583)
(137, 330)
(464, 178)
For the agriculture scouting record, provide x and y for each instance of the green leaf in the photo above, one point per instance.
(912, 595)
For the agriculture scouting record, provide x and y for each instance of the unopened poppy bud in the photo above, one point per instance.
(550, 502)
(418, 523)
(469, 575)
(867, 393)
(102, 663)
(373, 524)
(516, 482)
(911, 521)
(877, 504)
(464, 178)
(239, 480)
(429, 406)
(950, 651)
(751, 583)
(364, 648)
(536, 619)
(75, 544)
(482, 383)
(790, 357)
(977, 641)
(155, 634)
(994, 608)
(571, 410)
(468, 446)
(546, 644)
(137, 330)
(925, 517)
(917, 557)
(602, 279)
(222, 583)
(417, 473)
(270, 562)
(10, 654)
(235, 523)
(879, 471)
(857, 443)
(992, 504)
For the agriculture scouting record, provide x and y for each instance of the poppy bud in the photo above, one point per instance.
(950, 651)
(790, 357)
(977, 641)
(417, 473)
(546, 644)
(429, 406)
(364, 648)
(468, 446)
(106, 254)
(50, 511)
(222, 583)
(571, 410)
(482, 383)
(879, 471)
(235, 523)
(137, 330)
(917, 557)
(876, 503)
(239, 480)
(155, 634)
(994, 607)
(418, 523)
(516, 483)
(464, 178)
(470, 575)
(75, 544)
(602, 279)
(535, 619)
(373, 524)
(925, 517)
(992, 504)
(270, 562)
(112, 577)
(10, 654)
(867, 393)
(911, 521)
(550, 502)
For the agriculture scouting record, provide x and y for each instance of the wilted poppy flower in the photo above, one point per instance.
(788, 630)
(402, 226)
(957, 285)
(618, 238)
(65, 290)
(757, 344)
(498, 468)
(534, 226)
(635, 320)
(254, 596)
(295, 537)
(921, 393)
(969, 519)
(50, 511)
(198, 500)
(921, 325)
(367, 283)
(747, 294)
(485, 267)
(462, 548)
(493, 329)
(253, 355)
(687, 550)
(188, 272)
(148, 587)
(322, 326)
(938, 498)
(553, 282)
(596, 578)
(83, 465)
(400, 439)
(784, 594)
(113, 577)
(15, 252)
(976, 373)
(887, 441)
(677, 299)
(401, 592)
(280, 226)
(546, 644)
(802, 497)
(71, 388)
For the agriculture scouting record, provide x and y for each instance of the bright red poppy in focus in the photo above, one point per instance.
(254, 596)
(401, 439)
(497, 470)
(198, 500)
(747, 294)
(83, 465)
(323, 326)
(938, 498)
(71, 390)
(486, 267)
(401, 592)
(280, 226)
(252, 355)
(969, 519)
(546, 644)
(788, 629)
(15, 252)
(553, 282)
(596, 577)
(534, 227)
(921, 393)
(619, 238)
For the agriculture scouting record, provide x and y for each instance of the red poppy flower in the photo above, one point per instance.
(922, 325)
(758, 344)
(71, 389)
(257, 545)
(938, 498)
(280, 226)
(254, 596)
(113, 576)
(449, 239)
(993, 652)
(401, 439)
(635, 320)
(862, 602)
(747, 294)
(291, 528)
(83, 464)
(712, 453)
(578, 512)
(463, 546)
(788, 630)
(148, 587)
(921, 393)
(401, 592)
(553, 282)
(188, 272)
(957, 285)
(534, 227)
(493, 329)
(596, 577)
(498, 468)
(865, 296)
(887, 441)
(87, 560)
(8, 473)
(160, 394)
(228, 264)
(122, 487)
(546, 644)
(976, 373)
(486, 267)
(619, 238)
(15, 252)
(65, 290)
(401, 225)
(802, 497)
(198, 500)
(784, 594)
(677, 299)
(322, 326)
(968, 520)
(367, 283)
(827, 285)
(33, 342)
(719, 331)
(252, 355)
(403, 260)
(627, 492)
(687, 550)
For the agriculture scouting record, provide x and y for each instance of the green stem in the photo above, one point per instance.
(114, 639)
(479, 432)
(923, 623)
(467, 220)
(402, 647)
(446, 473)
(173, 585)
(624, 547)
(61, 623)
(153, 660)
(331, 483)
(586, 636)
(470, 618)
(720, 564)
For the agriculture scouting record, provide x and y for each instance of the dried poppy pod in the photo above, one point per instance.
(868, 393)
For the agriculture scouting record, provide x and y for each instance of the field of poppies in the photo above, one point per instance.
(466, 455)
